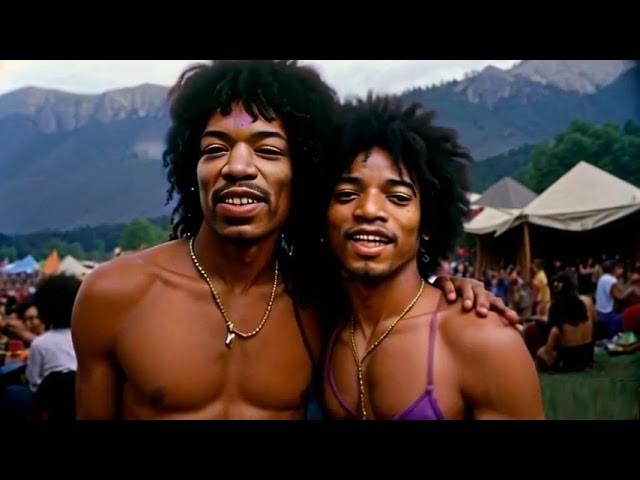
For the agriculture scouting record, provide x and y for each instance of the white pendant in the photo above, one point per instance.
(230, 337)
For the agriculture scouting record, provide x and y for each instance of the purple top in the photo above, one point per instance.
(424, 408)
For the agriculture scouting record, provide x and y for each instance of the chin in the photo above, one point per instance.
(241, 234)
(368, 272)
(248, 232)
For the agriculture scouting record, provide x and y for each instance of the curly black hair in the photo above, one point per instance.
(282, 89)
(434, 159)
(54, 298)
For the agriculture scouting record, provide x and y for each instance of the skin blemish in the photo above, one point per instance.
(240, 118)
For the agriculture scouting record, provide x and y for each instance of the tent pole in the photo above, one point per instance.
(527, 253)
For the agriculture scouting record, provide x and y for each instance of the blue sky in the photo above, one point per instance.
(349, 77)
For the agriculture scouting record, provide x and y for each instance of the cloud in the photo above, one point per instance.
(356, 77)
(348, 77)
(8, 66)
(91, 76)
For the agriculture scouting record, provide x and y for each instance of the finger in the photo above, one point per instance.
(512, 316)
(482, 300)
(448, 288)
(498, 306)
(468, 296)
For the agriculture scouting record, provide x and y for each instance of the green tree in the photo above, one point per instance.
(63, 247)
(609, 147)
(141, 233)
(8, 252)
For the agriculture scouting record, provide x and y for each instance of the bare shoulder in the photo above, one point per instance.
(477, 336)
(483, 347)
(127, 276)
(114, 287)
(498, 376)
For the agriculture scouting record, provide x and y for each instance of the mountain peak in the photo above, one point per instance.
(582, 76)
(491, 70)
(54, 111)
(488, 86)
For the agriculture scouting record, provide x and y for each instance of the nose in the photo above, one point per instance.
(241, 165)
(370, 208)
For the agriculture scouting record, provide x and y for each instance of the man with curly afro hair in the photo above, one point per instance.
(402, 352)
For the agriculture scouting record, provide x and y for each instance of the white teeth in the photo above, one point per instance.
(370, 238)
(240, 201)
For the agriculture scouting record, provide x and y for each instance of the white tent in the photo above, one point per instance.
(71, 266)
(490, 219)
(584, 198)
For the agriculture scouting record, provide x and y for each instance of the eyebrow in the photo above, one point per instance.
(392, 182)
(257, 136)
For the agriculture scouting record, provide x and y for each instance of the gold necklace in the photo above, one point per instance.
(231, 330)
(354, 349)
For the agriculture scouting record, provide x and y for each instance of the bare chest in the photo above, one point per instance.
(172, 353)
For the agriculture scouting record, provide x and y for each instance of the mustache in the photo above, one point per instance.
(248, 185)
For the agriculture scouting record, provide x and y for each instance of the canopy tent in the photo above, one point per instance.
(585, 211)
(584, 198)
(26, 265)
(506, 193)
(490, 219)
(51, 264)
(72, 266)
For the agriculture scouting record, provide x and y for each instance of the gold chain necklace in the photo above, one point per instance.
(354, 349)
(231, 330)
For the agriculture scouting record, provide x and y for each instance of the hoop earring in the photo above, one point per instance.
(423, 254)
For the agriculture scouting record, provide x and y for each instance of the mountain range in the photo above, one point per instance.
(69, 160)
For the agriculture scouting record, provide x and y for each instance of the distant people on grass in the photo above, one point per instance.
(588, 274)
(518, 296)
(541, 291)
(570, 343)
(608, 291)
(52, 352)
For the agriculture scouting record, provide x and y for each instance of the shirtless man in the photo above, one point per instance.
(217, 324)
(403, 352)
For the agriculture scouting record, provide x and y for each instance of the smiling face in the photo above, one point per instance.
(244, 175)
(374, 218)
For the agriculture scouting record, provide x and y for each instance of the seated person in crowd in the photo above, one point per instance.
(570, 343)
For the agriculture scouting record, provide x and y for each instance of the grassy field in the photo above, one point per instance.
(610, 391)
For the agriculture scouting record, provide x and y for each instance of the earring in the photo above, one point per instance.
(423, 251)
(285, 246)
(423, 255)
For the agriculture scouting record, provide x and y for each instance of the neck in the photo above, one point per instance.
(239, 265)
(373, 302)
